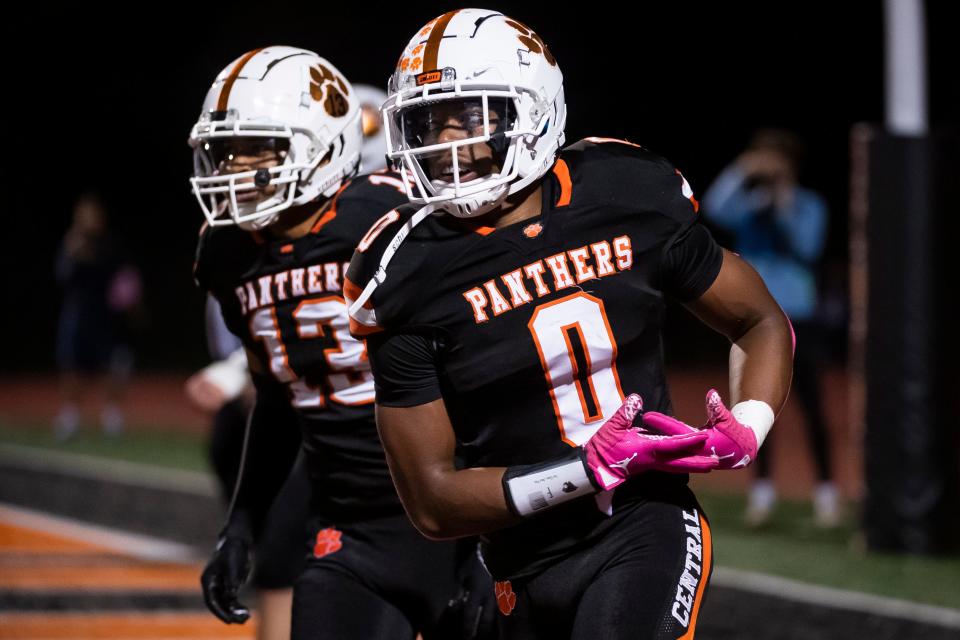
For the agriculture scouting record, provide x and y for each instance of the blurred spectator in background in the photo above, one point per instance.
(780, 227)
(101, 291)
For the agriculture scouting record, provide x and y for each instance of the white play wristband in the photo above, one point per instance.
(755, 414)
(530, 491)
(229, 375)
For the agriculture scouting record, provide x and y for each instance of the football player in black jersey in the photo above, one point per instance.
(276, 151)
(509, 310)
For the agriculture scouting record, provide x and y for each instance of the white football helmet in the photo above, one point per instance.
(291, 103)
(487, 63)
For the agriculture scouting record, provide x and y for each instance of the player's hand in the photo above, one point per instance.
(203, 393)
(732, 443)
(219, 382)
(618, 450)
(222, 578)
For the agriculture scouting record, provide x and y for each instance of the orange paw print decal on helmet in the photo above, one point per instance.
(328, 541)
(506, 598)
(532, 41)
(328, 88)
(412, 58)
(427, 27)
(407, 64)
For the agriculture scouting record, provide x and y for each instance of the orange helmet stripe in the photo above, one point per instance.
(234, 73)
(433, 42)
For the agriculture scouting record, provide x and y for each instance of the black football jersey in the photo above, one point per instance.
(284, 300)
(534, 333)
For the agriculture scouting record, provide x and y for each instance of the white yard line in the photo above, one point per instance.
(832, 598)
(132, 544)
(102, 468)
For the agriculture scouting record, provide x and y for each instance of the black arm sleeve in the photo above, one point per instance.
(691, 263)
(268, 457)
(404, 368)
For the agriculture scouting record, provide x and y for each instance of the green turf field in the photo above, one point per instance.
(789, 546)
(792, 547)
(155, 446)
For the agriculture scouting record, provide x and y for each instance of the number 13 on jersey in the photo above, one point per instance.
(347, 376)
(578, 354)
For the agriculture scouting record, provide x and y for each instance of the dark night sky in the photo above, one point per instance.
(108, 103)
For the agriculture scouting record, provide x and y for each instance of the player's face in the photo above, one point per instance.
(450, 121)
(237, 155)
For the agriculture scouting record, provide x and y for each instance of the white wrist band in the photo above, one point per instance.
(229, 374)
(755, 414)
(531, 488)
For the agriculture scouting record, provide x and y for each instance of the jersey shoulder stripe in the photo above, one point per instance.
(623, 173)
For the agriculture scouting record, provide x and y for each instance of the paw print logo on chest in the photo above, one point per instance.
(329, 89)
(532, 41)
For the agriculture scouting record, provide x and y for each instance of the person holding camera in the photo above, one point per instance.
(780, 228)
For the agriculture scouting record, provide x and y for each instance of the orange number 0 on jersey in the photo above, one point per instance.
(578, 354)
(349, 375)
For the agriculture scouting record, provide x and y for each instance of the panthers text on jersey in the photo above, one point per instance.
(533, 333)
(284, 299)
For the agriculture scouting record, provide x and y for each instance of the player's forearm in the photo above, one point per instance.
(739, 306)
(441, 500)
(454, 504)
(260, 478)
(246, 490)
(445, 502)
(761, 361)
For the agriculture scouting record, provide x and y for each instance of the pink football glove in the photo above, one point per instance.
(733, 444)
(619, 450)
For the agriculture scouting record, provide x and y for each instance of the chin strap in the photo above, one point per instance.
(381, 273)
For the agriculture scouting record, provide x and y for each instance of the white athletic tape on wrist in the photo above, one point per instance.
(755, 414)
(229, 375)
(540, 489)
